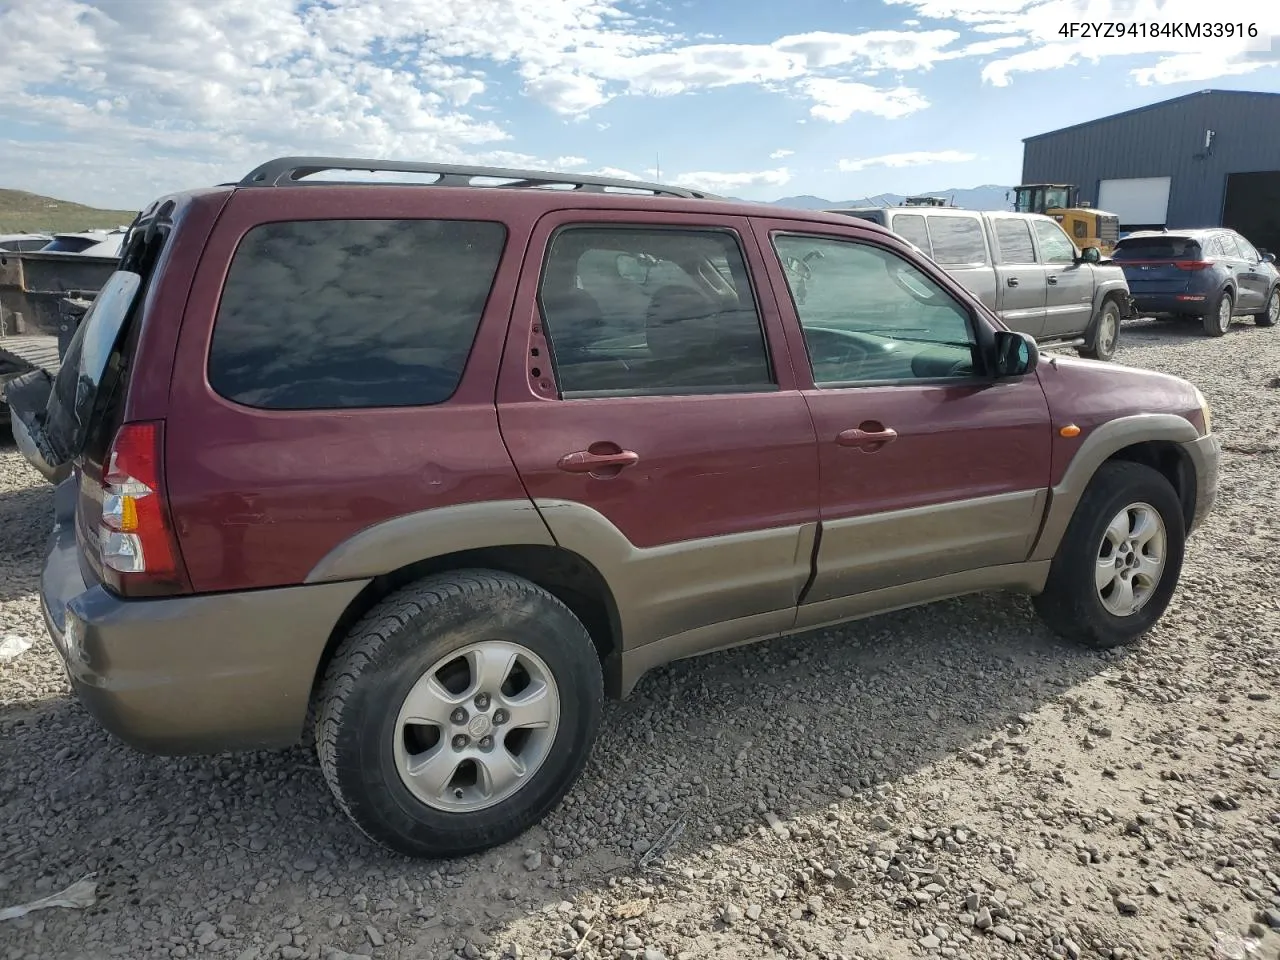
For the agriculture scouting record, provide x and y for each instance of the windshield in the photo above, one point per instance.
(1056, 197)
(1040, 199)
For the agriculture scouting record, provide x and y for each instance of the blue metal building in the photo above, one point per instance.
(1210, 158)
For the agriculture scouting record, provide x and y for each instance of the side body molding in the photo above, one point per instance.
(703, 588)
(400, 541)
(1103, 441)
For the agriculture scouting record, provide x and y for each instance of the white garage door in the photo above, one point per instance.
(1142, 200)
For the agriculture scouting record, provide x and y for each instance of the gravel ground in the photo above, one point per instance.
(945, 781)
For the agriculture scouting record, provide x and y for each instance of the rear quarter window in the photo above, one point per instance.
(323, 314)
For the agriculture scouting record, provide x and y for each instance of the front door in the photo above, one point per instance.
(928, 468)
(1069, 285)
(648, 403)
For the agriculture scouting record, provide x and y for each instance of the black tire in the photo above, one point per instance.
(1271, 312)
(1212, 321)
(1100, 347)
(385, 655)
(1070, 604)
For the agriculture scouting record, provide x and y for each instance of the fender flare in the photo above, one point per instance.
(1102, 443)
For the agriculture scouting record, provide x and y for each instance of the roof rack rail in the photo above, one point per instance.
(290, 171)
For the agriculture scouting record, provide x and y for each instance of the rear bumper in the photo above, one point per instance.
(1149, 303)
(1204, 454)
(187, 675)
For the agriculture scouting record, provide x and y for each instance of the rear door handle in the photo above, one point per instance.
(1012, 281)
(868, 440)
(1052, 279)
(598, 463)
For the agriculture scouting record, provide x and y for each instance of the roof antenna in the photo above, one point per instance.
(657, 168)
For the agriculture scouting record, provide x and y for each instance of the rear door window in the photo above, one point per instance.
(1232, 246)
(957, 240)
(322, 314)
(632, 311)
(1014, 238)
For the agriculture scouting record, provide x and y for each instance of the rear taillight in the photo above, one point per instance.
(1192, 264)
(138, 550)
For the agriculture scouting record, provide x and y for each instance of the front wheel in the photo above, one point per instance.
(1106, 333)
(1218, 320)
(1119, 560)
(1268, 317)
(458, 713)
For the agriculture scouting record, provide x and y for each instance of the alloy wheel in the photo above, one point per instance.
(1130, 559)
(476, 726)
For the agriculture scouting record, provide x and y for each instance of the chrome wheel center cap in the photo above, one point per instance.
(480, 726)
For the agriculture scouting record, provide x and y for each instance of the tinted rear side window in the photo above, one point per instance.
(910, 227)
(321, 314)
(957, 240)
(1014, 237)
(1157, 248)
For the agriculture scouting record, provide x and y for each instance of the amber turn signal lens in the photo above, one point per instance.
(1070, 430)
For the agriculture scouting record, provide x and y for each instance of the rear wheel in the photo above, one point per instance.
(1106, 333)
(1218, 320)
(1119, 560)
(1268, 317)
(458, 713)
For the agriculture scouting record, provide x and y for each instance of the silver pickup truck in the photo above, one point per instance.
(1025, 268)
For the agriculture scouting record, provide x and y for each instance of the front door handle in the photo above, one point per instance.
(869, 437)
(600, 460)
(1053, 280)
(1012, 281)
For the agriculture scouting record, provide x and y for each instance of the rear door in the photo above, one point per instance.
(1253, 282)
(928, 469)
(660, 430)
(1068, 284)
(1020, 277)
(958, 244)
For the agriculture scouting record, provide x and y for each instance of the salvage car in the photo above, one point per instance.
(432, 469)
(1025, 268)
(1212, 275)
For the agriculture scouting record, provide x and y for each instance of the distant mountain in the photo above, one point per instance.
(986, 197)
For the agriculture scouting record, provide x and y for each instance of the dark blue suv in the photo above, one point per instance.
(1213, 274)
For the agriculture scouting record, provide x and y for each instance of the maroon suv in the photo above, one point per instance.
(435, 467)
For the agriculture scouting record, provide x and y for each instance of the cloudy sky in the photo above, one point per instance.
(112, 102)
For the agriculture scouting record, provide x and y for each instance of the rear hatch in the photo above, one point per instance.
(1164, 264)
(71, 425)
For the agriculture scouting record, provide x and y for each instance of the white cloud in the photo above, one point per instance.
(781, 154)
(567, 163)
(838, 100)
(898, 160)
(729, 182)
(187, 87)
(875, 50)
(1172, 58)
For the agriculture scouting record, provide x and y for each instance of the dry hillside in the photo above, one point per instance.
(22, 212)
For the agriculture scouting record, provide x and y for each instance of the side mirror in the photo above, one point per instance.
(1090, 255)
(1016, 354)
(1267, 257)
